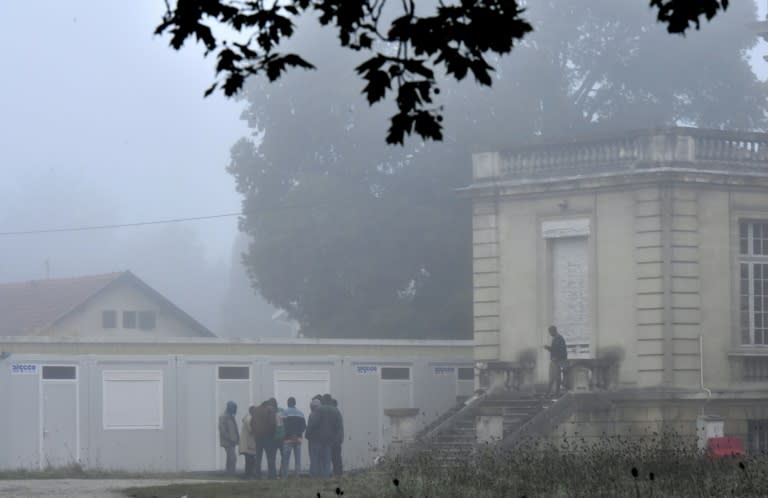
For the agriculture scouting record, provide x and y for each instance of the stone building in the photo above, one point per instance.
(649, 251)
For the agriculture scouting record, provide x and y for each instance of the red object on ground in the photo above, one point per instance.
(725, 446)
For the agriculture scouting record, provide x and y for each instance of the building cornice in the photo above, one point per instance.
(585, 183)
(683, 154)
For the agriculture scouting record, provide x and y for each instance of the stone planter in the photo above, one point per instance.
(404, 424)
(489, 428)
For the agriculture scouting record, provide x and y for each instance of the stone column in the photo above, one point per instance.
(579, 378)
(497, 380)
(403, 422)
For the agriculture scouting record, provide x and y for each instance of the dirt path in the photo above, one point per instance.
(78, 488)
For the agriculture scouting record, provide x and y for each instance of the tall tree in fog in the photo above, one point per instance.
(408, 43)
(245, 313)
(358, 239)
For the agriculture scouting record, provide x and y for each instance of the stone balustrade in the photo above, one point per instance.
(589, 374)
(683, 147)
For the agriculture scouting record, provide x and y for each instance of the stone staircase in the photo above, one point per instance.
(453, 438)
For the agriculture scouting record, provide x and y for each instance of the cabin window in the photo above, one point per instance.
(234, 373)
(753, 282)
(55, 372)
(109, 319)
(395, 373)
(757, 436)
(466, 373)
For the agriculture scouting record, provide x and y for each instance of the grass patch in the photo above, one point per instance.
(77, 472)
(654, 465)
(651, 466)
(360, 485)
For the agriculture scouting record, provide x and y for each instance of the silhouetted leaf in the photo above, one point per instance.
(378, 83)
(679, 15)
(456, 36)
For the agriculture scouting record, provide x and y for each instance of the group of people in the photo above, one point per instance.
(268, 429)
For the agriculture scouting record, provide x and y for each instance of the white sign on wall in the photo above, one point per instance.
(23, 369)
(367, 370)
(555, 229)
(444, 370)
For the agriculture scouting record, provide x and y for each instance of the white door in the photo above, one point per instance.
(59, 438)
(302, 385)
(571, 299)
(233, 383)
(395, 391)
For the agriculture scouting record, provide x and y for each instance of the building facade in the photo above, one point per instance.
(152, 405)
(648, 250)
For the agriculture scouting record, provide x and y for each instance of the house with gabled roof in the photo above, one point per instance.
(112, 305)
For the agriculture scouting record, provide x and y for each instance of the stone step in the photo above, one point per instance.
(457, 437)
(518, 415)
(457, 444)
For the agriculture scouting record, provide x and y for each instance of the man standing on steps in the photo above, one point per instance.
(558, 353)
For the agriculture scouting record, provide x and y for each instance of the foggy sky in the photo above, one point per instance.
(103, 123)
(90, 95)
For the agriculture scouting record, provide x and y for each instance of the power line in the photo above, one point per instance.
(119, 225)
(263, 210)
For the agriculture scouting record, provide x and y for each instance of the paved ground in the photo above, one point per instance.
(78, 488)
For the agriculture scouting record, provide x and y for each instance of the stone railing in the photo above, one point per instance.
(684, 147)
(589, 374)
(730, 146)
(445, 425)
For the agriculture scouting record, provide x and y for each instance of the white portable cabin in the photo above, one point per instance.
(153, 405)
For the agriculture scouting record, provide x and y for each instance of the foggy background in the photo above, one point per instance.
(103, 123)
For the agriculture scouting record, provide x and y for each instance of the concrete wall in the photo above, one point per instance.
(524, 270)
(648, 419)
(192, 399)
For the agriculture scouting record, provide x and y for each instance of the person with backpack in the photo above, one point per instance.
(277, 439)
(263, 426)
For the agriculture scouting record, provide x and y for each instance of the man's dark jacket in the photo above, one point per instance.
(325, 426)
(558, 351)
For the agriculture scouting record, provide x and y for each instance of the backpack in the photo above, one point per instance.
(263, 422)
(279, 425)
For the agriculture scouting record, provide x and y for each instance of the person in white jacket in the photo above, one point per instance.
(248, 443)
